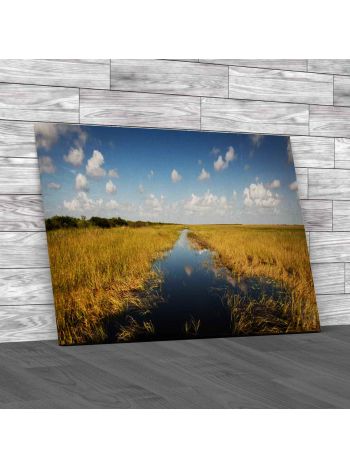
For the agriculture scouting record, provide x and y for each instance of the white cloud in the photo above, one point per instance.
(222, 163)
(112, 204)
(94, 165)
(113, 173)
(205, 203)
(204, 175)
(154, 203)
(54, 186)
(293, 186)
(215, 151)
(234, 194)
(256, 140)
(110, 187)
(175, 176)
(141, 188)
(82, 203)
(46, 165)
(75, 156)
(81, 183)
(258, 195)
(47, 134)
(274, 184)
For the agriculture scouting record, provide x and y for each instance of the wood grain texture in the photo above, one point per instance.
(302, 179)
(327, 120)
(329, 247)
(317, 215)
(17, 139)
(342, 90)
(275, 64)
(313, 151)
(25, 287)
(280, 86)
(339, 67)
(171, 77)
(137, 109)
(20, 323)
(23, 250)
(328, 278)
(341, 216)
(19, 176)
(254, 117)
(70, 73)
(21, 213)
(329, 184)
(347, 278)
(342, 153)
(334, 309)
(39, 103)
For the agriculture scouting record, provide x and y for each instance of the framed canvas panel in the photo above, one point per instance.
(163, 234)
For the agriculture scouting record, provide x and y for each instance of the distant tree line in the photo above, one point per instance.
(67, 222)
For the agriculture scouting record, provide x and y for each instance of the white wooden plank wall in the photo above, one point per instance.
(306, 99)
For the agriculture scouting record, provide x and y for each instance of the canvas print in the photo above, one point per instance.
(163, 234)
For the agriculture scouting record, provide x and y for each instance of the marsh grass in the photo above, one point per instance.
(276, 252)
(99, 273)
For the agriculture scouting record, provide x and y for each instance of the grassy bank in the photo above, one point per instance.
(276, 252)
(97, 273)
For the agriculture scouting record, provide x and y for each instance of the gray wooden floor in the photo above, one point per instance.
(287, 371)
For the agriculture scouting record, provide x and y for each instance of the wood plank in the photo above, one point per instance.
(25, 287)
(275, 64)
(311, 151)
(302, 179)
(329, 247)
(347, 278)
(171, 77)
(39, 103)
(19, 176)
(254, 117)
(342, 153)
(334, 309)
(280, 86)
(317, 215)
(137, 109)
(23, 250)
(341, 216)
(20, 323)
(71, 73)
(21, 212)
(341, 90)
(328, 278)
(17, 139)
(329, 184)
(327, 120)
(338, 67)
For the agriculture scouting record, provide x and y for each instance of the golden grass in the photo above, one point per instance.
(276, 252)
(98, 273)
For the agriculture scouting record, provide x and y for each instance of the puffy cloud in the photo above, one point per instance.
(204, 175)
(154, 203)
(81, 183)
(94, 165)
(257, 195)
(112, 204)
(293, 186)
(110, 187)
(82, 203)
(256, 140)
(205, 203)
(274, 184)
(54, 186)
(175, 176)
(141, 188)
(47, 134)
(75, 156)
(46, 165)
(215, 151)
(113, 173)
(234, 194)
(222, 163)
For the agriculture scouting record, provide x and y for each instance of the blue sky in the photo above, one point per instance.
(166, 175)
